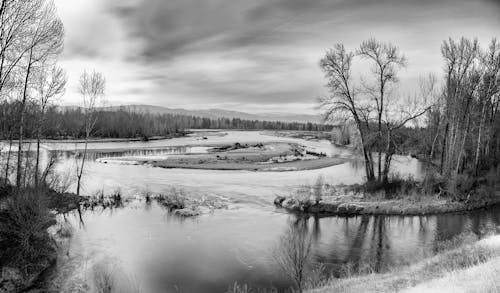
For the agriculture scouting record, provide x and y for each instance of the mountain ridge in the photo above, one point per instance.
(216, 113)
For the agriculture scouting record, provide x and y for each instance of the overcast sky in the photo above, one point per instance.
(253, 56)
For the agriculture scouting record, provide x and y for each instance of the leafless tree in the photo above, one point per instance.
(17, 19)
(367, 103)
(462, 80)
(401, 111)
(91, 88)
(345, 102)
(387, 60)
(488, 99)
(293, 254)
(43, 42)
(49, 85)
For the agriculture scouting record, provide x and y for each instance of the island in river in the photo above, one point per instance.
(250, 156)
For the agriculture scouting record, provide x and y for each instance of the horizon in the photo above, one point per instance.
(250, 57)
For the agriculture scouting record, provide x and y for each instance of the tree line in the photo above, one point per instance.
(69, 123)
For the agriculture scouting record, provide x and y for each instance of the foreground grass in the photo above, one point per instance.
(469, 268)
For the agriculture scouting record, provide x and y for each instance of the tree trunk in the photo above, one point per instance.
(479, 139)
(462, 146)
(38, 138)
(9, 153)
(80, 172)
(443, 150)
(21, 122)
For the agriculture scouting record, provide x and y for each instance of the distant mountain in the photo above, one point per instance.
(219, 113)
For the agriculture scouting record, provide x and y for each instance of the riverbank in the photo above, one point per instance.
(346, 202)
(472, 267)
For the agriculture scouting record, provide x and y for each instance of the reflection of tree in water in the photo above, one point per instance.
(357, 164)
(379, 244)
(356, 246)
(376, 243)
(316, 232)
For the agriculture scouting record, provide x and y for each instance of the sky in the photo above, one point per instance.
(251, 55)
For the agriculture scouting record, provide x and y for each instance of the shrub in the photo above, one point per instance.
(237, 288)
(24, 240)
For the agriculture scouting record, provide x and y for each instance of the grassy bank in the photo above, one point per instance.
(472, 267)
(399, 196)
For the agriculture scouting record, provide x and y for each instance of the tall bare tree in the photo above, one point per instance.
(91, 88)
(488, 99)
(367, 103)
(345, 101)
(387, 60)
(49, 84)
(401, 111)
(43, 42)
(462, 80)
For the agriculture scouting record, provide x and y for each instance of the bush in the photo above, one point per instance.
(237, 288)
(24, 240)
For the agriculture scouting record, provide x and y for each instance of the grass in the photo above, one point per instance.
(437, 273)
(103, 279)
(108, 277)
(244, 288)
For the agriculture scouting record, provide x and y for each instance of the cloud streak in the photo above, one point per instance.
(238, 54)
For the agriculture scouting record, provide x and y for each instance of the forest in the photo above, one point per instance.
(59, 123)
(452, 122)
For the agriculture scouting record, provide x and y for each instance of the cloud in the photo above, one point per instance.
(234, 53)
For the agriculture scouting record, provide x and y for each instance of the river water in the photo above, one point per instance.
(160, 252)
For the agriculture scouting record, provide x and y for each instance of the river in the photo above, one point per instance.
(159, 252)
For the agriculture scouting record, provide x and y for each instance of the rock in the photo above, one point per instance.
(342, 208)
(291, 204)
(187, 212)
(279, 200)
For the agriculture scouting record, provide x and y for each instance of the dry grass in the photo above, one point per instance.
(436, 273)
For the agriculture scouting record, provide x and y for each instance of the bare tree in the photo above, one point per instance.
(43, 42)
(399, 112)
(371, 103)
(488, 98)
(345, 102)
(16, 21)
(387, 60)
(462, 80)
(293, 254)
(49, 85)
(91, 88)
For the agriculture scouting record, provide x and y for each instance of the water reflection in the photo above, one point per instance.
(208, 253)
(377, 243)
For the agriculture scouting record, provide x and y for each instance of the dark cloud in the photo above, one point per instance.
(267, 51)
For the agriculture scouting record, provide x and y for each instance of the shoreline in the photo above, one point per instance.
(394, 207)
